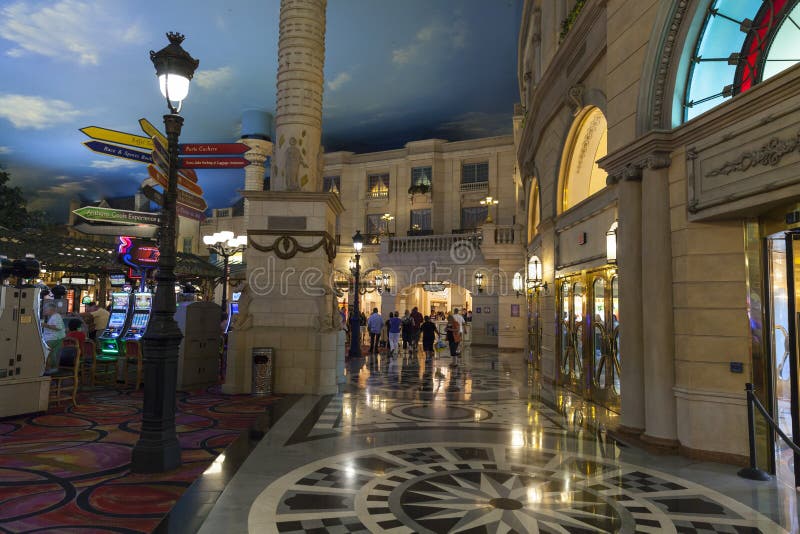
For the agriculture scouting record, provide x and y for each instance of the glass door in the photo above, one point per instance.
(783, 257)
(571, 326)
(534, 329)
(605, 363)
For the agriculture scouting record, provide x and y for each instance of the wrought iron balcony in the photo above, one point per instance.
(474, 187)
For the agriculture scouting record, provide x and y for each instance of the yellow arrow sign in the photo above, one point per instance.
(152, 131)
(121, 138)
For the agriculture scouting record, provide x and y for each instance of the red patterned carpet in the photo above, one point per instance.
(68, 470)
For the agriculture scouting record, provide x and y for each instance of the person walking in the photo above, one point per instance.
(429, 335)
(395, 324)
(374, 326)
(417, 318)
(52, 333)
(407, 329)
(460, 320)
(453, 338)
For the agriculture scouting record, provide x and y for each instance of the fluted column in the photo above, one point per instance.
(260, 150)
(297, 164)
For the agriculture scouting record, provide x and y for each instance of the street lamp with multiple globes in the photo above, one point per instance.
(355, 316)
(489, 202)
(226, 245)
(157, 449)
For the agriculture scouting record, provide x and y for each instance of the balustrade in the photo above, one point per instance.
(431, 243)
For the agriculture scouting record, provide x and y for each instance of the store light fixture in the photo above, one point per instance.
(611, 244)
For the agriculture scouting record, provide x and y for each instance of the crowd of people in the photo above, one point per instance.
(397, 334)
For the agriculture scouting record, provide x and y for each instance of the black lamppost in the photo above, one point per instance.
(226, 245)
(158, 449)
(355, 316)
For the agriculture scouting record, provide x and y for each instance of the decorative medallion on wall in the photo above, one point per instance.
(286, 246)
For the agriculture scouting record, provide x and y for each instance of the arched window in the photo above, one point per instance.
(581, 177)
(534, 213)
(741, 43)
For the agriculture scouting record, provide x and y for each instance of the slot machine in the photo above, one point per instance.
(23, 389)
(111, 339)
(142, 305)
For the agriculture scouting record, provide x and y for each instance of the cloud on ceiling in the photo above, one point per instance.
(476, 124)
(213, 79)
(5, 150)
(340, 79)
(70, 30)
(436, 36)
(113, 164)
(55, 197)
(25, 111)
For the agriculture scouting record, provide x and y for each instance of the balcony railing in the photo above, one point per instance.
(504, 235)
(432, 243)
(377, 194)
(474, 186)
(412, 233)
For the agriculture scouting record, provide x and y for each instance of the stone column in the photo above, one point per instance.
(659, 359)
(297, 165)
(629, 259)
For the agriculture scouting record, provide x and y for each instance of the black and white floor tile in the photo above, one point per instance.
(482, 487)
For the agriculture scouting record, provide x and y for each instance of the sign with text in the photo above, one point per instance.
(212, 149)
(186, 198)
(138, 254)
(184, 211)
(91, 213)
(214, 163)
(161, 177)
(118, 151)
(145, 230)
(120, 138)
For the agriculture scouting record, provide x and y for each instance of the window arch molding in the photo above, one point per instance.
(669, 67)
(534, 209)
(590, 125)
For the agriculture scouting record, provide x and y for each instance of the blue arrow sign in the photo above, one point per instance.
(118, 151)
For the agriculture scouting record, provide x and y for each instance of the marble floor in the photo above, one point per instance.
(424, 446)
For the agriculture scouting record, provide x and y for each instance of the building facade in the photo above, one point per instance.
(657, 143)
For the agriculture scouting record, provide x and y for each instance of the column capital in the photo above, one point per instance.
(657, 159)
(260, 150)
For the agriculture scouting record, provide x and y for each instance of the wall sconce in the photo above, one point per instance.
(516, 283)
(535, 281)
(479, 281)
(387, 283)
(611, 244)
(379, 283)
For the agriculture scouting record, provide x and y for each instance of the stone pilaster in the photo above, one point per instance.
(297, 165)
(659, 351)
(260, 150)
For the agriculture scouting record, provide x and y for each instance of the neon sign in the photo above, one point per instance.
(136, 254)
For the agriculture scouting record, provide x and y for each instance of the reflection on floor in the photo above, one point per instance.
(423, 446)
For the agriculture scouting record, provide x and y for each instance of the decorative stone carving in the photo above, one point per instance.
(244, 320)
(769, 154)
(575, 98)
(664, 60)
(286, 246)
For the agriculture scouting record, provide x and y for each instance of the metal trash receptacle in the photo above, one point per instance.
(263, 364)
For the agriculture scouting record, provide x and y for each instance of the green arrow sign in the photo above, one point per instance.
(118, 216)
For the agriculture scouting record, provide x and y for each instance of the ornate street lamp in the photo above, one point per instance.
(158, 449)
(226, 245)
(355, 317)
(489, 202)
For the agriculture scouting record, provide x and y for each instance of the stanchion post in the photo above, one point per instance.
(752, 472)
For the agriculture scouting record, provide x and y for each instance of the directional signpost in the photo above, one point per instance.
(183, 210)
(91, 213)
(118, 151)
(161, 158)
(147, 231)
(184, 197)
(214, 163)
(120, 138)
(212, 149)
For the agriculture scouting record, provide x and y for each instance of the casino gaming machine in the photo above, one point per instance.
(142, 305)
(111, 338)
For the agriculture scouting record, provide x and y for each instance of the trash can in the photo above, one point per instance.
(263, 364)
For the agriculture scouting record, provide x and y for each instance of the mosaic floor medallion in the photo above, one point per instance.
(488, 488)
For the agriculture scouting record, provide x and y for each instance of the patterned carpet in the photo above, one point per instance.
(69, 469)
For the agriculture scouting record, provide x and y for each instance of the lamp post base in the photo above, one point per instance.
(156, 456)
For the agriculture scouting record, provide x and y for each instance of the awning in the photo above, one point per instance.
(84, 256)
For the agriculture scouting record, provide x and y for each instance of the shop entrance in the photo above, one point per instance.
(589, 355)
(783, 265)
